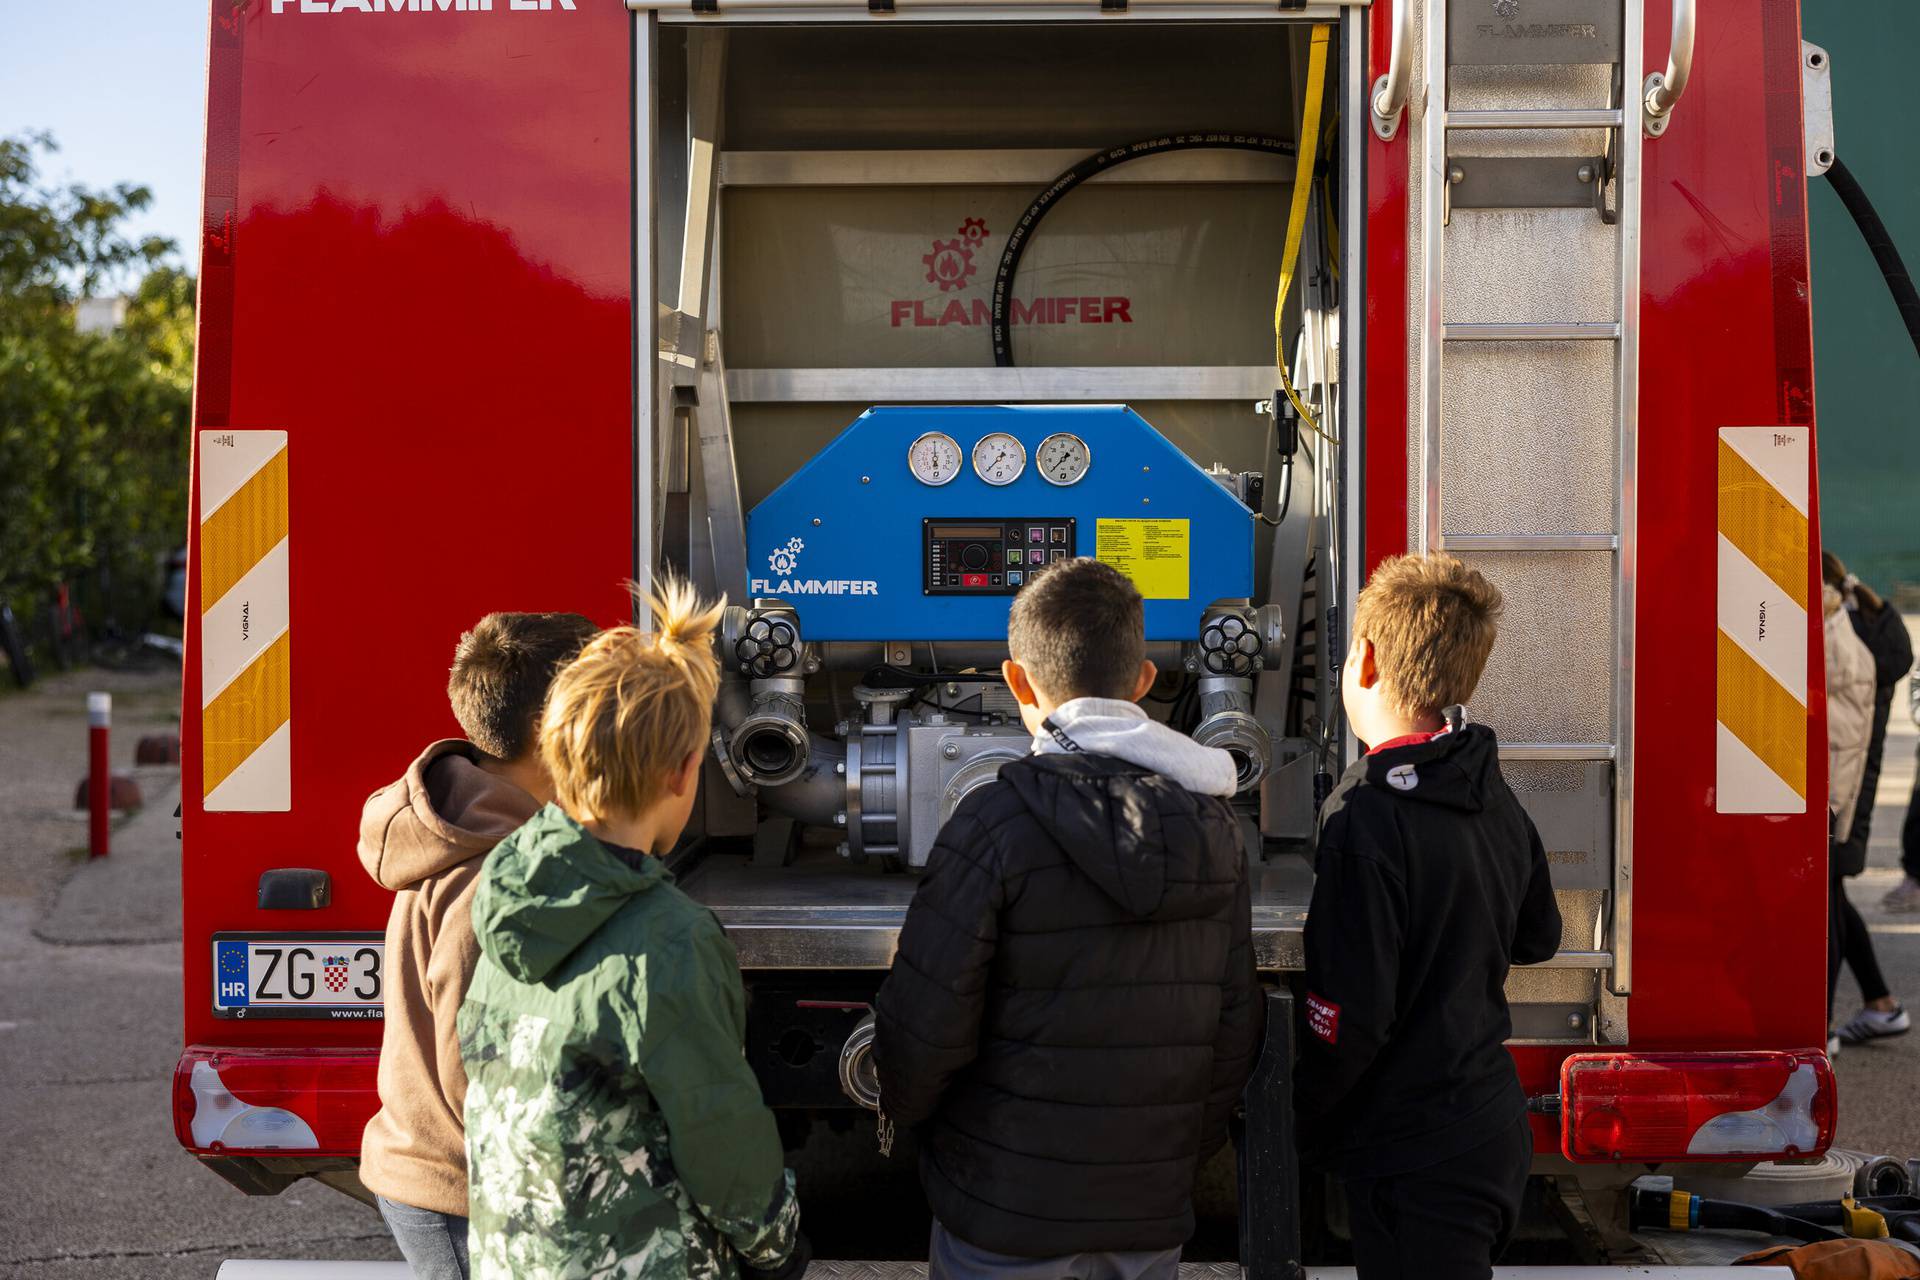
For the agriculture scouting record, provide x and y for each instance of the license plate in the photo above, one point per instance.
(298, 975)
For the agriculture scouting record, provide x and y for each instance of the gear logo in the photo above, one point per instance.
(1506, 8)
(950, 265)
(786, 559)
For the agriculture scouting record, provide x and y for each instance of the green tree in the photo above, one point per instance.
(93, 426)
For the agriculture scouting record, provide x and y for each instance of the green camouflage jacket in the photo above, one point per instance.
(613, 1126)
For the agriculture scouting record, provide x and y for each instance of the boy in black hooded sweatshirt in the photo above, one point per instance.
(1431, 883)
(1073, 1011)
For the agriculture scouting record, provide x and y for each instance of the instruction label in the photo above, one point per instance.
(1156, 554)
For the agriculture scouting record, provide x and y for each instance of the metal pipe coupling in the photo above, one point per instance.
(769, 747)
(768, 744)
(859, 1076)
(1227, 722)
(1237, 641)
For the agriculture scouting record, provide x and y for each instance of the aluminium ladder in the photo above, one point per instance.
(1526, 283)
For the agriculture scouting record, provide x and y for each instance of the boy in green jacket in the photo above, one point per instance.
(613, 1126)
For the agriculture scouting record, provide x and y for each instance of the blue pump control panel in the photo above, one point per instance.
(922, 522)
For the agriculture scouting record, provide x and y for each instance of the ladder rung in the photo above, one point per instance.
(1572, 331)
(1578, 960)
(1556, 751)
(1566, 118)
(1529, 542)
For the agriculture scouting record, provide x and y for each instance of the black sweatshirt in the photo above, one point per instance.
(1885, 635)
(1431, 883)
(1074, 1010)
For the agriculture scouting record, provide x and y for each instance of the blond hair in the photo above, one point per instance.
(623, 715)
(1432, 621)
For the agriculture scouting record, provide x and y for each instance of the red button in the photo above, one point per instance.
(973, 579)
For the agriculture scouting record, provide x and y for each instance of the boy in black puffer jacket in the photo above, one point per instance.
(1431, 882)
(1073, 1010)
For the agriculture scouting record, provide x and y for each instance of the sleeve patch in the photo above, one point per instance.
(1323, 1018)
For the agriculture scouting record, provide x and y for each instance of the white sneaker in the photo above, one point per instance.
(1903, 897)
(1833, 1046)
(1871, 1024)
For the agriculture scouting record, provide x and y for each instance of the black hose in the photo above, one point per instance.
(1901, 1212)
(1723, 1215)
(1651, 1210)
(1879, 242)
(1286, 490)
(1099, 162)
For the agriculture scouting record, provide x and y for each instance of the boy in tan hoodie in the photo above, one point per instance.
(424, 837)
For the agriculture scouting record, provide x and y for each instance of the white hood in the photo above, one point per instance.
(1110, 727)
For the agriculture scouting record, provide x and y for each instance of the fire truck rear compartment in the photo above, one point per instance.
(866, 180)
(826, 205)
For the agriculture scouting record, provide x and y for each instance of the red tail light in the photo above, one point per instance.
(1696, 1106)
(268, 1102)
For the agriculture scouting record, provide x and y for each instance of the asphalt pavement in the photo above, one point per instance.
(1879, 1103)
(92, 1182)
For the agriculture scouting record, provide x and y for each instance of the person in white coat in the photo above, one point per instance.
(1850, 699)
(1849, 710)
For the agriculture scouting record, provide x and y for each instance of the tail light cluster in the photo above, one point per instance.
(1696, 1106)
(1651, 1107)
(272, 1102)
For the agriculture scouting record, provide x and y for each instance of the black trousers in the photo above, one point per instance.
(1848, 941)
(1447, 1222)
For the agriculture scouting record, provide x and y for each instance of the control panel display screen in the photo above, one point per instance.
(993, 556)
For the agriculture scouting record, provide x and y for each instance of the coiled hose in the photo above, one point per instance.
(1097, 163)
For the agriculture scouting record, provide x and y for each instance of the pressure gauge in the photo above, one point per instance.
(998, 458)
(934, 458)
(1063, 458)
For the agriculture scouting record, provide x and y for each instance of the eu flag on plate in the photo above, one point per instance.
(230, 984)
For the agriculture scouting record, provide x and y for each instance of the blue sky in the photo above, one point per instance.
(121, 84)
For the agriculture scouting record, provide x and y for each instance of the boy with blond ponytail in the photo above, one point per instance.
(613, 1126)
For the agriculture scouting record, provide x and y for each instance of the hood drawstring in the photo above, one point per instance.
(1061, 736)
(1124, 731)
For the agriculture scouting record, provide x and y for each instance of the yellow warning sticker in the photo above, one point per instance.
(1154, 553)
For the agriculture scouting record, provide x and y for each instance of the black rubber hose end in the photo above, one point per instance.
(1880, 244)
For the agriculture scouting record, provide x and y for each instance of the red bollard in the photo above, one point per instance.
(99, 773)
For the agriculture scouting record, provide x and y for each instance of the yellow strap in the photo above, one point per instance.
(1297, 218)
(1679, 1211)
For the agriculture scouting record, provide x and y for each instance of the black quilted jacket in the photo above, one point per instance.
(1073, 1010)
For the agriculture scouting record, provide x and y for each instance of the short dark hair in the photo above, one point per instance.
(1078, 629)
(501, 671)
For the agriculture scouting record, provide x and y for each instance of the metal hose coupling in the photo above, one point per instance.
(1236, 642)
(768, 745)
(859, 1078)
(1227, 722)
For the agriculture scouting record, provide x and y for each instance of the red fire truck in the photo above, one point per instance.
(505, 302)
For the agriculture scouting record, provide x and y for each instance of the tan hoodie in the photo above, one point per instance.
(425, 837)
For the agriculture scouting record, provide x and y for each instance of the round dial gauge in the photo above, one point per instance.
(998, 458)
(934, 458)
(1063, 458)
